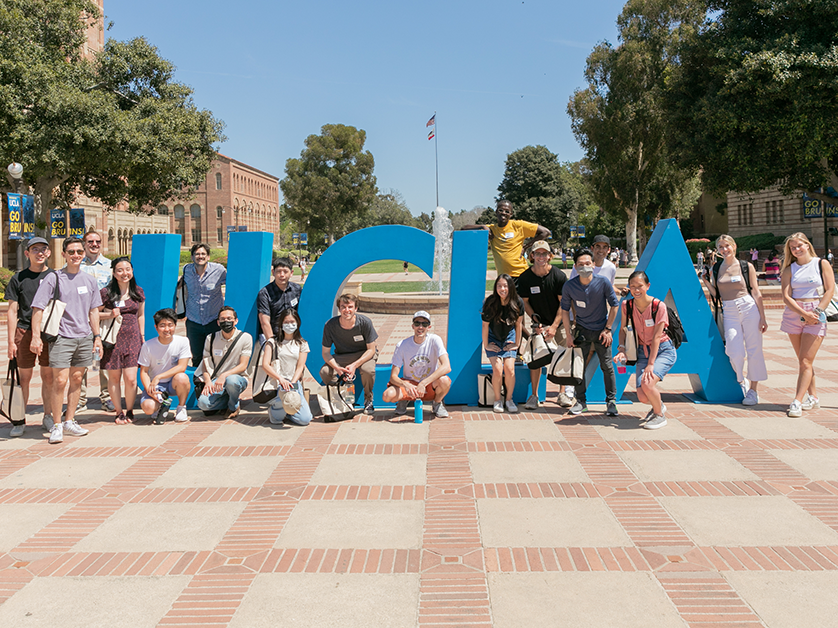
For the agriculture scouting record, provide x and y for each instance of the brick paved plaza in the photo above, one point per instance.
(728, 516)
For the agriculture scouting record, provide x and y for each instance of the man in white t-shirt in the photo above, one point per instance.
(425, 364)
(602, 267)
(163, 361)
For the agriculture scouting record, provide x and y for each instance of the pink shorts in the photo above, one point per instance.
(792, 324)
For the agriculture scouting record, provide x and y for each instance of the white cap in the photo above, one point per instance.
(422, 314)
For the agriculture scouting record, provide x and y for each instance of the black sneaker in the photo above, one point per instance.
(369, 409)
(163, 411)
(611, 409)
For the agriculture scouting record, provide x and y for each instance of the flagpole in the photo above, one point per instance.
(436, 158)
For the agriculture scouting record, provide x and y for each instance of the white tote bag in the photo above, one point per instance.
(12, 405)
(51, 320)
(109, 329)
(567, 368)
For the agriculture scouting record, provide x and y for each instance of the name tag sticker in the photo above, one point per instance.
(120, 303)
(508, 235)
(160, 362)
(735, 279)
(218, 353)
(294, 301)
(358, 339)
(811, 280)
(535, 290)
(581, 304)
(650, 322)
(82, 289)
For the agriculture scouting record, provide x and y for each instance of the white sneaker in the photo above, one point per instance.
(795, 409)
(570, 391)
(180, 415)
(74, 429)
(810, 403)
(751, 398)
(17, 430)
(498, 407)
(439, 410)
(532, 403)
(56, 434)
(745, 385)
(656, 422)
(511, 407)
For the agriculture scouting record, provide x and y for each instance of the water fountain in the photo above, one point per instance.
(443, 231)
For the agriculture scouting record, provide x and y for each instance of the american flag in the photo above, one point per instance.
(432, 121)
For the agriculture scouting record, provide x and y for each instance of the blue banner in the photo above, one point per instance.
(15, 217)
(28, 214)
(304, 239)
(57, 224)
(812, 208)
(77, 222)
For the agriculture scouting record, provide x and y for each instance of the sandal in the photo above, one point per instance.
(121, 419)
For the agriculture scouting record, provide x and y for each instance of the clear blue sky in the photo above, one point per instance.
(498, 73)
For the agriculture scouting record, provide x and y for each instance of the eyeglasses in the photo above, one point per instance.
(74, 252)
(421, 324)
(96, 242)
(41, 250)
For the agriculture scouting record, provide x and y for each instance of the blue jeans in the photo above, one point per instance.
(234, 386)
(277, 414)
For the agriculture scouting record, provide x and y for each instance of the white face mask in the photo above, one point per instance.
(585, 271)
(289, 328)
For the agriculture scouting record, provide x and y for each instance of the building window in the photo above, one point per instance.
(163, 210)
(774, 209)
(219, 213)
(180, 226)
(195, 212)
(217, 180)
(220, 235)
(750, 213)
(768, 212)
(782, 213)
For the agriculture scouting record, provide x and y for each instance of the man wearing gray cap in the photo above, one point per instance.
(425, 365)
(601, 247)
(19, 294)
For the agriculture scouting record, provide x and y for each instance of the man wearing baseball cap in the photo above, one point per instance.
(424, 361)
(540, 286)
(19, 293)
(601, 247)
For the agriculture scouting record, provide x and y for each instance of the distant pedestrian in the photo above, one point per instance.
(405, 267)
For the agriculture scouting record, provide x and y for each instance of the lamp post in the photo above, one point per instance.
(16, 174)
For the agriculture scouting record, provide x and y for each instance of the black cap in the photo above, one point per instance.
(602, 238)
(36, 241)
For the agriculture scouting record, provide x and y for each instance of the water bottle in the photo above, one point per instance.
(349, 398)
(417, 411)
(96, 359)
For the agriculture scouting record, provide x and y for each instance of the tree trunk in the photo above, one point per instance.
(642, 238)
(631, 234)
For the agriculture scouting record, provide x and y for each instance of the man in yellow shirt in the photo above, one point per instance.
(506, 238)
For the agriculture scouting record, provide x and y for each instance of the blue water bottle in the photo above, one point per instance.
(417, 411)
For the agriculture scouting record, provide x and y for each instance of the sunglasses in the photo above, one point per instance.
(74, 252)
(421, 324)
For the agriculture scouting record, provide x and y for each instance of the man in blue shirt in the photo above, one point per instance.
(203, 280)
(595, 306)
(98, 266)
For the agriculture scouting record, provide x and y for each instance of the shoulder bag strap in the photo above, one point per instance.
(225, 356)
(746, 274)
(55, 297)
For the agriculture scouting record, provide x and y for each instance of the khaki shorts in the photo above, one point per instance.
(67, 352)
(25, 358)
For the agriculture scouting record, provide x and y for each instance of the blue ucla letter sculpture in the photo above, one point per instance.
(248, 270)
(672, 278)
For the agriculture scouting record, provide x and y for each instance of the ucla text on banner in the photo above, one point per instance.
(57, 223)
(15, 217)
(28, 214)
(77, 222)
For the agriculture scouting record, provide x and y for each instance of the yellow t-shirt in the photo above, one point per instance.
(507, 244)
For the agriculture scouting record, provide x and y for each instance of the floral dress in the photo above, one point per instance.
(129, 340)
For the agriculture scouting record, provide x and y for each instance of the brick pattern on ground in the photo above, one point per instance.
(494, 502)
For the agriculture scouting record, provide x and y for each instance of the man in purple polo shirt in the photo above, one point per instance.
(78, 333)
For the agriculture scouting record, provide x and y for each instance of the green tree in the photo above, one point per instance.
(332, 183)
(538, 188)
(387, 208)
(116, 128)
(619, 118)
(753, 100)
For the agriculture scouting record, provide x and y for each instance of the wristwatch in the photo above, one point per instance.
(607, 329)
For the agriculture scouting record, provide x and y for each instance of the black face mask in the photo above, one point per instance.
(227, 326)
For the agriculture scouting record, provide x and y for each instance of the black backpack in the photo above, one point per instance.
(675, 330)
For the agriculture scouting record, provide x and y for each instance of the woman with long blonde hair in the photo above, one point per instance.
(733, 283)
(807, 284)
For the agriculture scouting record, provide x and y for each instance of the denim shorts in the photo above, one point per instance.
(510, 340)
(663, 363)
(167, 387)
